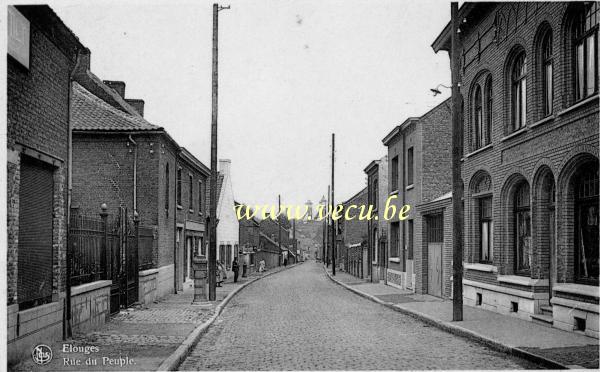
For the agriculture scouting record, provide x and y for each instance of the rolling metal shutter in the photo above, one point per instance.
(35, 233)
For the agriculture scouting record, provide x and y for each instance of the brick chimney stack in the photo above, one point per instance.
(117, 86)
(137, 104)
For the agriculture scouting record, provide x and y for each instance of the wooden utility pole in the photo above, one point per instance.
(212, 216)
(279, 227)
(333, 204)
(327, 211)
(457, 185)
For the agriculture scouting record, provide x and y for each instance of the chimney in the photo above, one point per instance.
(118, 86)
(84, 60)
(137, 104)
(224, 165)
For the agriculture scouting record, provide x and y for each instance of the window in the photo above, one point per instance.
(586, 230)
(522, 219)
(486, 231)
(191, 195)
(394, 228)
(410, 239)
(548, 93)
(375, 193)
(200, 197)
(519, 92)
(478, 118)
(585, 34)
(167, 192)
(409, 171)
(395, 173)
(435, 228)
(488, 111)
(178, 187)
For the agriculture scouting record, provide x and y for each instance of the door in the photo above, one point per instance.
(434, 272)
(435, 243)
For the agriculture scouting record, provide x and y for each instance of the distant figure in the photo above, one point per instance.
(261, 266)
(285, 262)
(219, 274)
(235, 266)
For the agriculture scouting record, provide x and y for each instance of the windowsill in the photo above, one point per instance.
(578, 104)
(179, 207)
(394, 259)
(410, 187)
(199, 213)
(481, 149)
(522, 280)
(514, 134)
(480, 267)
(191, 211)
(544, 120)
(577, 289)
(394, 192)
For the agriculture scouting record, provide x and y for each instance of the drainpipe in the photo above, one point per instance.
(67, 332)
(135, 156)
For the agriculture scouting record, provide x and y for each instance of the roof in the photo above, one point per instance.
(91, 113)
(447, 195)
(192, 160)
(220, 178)
(371, 165)
(442, 41)
(362, 191)
(398, 129)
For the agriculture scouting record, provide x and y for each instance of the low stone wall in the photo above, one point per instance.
(90, 306)
(148, 290)
(165, 280)
(28, 328)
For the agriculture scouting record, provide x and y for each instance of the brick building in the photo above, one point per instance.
(529, 84)
(249, 240)
(352, 235)
(123, 161)
(191, 180)
(42, 53)
(377, 186)
(419, 156)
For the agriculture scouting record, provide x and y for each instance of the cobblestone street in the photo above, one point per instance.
(300, 320)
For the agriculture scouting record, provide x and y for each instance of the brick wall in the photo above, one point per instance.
(548, 149)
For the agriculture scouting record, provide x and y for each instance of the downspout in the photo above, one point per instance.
(135, 156)
(67, 331)
(175, 224)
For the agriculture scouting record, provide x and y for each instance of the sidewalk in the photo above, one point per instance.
(144, 337)
(550, 346)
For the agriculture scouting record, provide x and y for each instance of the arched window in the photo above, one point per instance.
(519, 92)
(585, 34)
(586, 223)
(488, 110)
(548, 83)
(478, 117)
(522, 221)
(375, 194)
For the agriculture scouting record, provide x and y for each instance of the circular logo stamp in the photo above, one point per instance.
(41, 354)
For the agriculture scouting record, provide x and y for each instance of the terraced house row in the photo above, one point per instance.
(105, 209)
(529, 89)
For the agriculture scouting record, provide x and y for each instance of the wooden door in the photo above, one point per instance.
(434, 272)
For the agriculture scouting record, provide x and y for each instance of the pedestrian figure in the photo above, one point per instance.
(220, 272)
(261, 266)
(236, 269)
(285, 262)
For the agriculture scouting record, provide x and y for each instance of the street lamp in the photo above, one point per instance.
(437, 91)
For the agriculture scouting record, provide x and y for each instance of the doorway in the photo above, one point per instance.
(435, 243)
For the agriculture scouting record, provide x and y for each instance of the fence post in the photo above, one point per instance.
(106, 260)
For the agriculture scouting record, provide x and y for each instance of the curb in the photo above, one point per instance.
(175, 359)
(457, 330)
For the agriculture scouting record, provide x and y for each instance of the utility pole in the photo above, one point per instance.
(212, 216)
(457, 186)
(326, 247)
(279, 227)
(294, 246)
(333, 232)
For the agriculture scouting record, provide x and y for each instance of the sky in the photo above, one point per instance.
(290, 74)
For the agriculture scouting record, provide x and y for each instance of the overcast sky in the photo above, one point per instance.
(290, 74)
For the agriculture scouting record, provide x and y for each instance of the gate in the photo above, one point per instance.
(123, 271)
